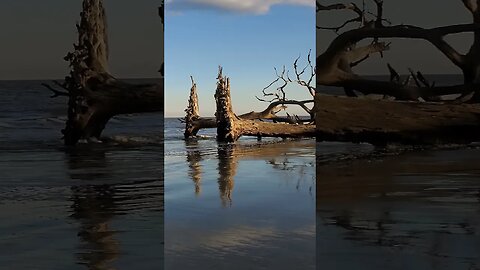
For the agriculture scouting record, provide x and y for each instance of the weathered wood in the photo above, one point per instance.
(192, 118)
(381, 122)
(94, 94)
(227, 127)
(230, 127)
(334, 65)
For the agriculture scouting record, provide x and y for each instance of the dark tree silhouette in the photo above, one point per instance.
(94, 94)
(334, 65)
(419, 113)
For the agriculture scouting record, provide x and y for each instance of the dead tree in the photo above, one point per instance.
(335, 64)
(382, 122)
(231, 126)
(94, 95)
(193, 122)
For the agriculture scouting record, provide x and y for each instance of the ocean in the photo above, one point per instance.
(96, 206)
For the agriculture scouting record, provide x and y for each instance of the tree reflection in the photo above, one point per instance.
(278, 156)
(407, 202)
(194, 157)
(105, 188)
(94, 207)
(227, 168)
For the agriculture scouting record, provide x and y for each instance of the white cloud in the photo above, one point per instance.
(237, 6)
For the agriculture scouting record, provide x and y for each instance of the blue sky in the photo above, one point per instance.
(248, 38)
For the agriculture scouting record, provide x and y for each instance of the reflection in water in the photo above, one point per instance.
(102, 198)
(229, 154)
(281, 165)
(193, 159)
(96, 206)
(413, 211)
(255, 210)
(93, 207)
(227, 168)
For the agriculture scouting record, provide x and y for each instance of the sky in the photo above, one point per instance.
(247, 38)
(406, 53)
(36, 35)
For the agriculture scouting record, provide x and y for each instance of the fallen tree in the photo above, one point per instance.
(381, 122)
(417, 114)
(230, 126)
(94, 95)
(335, 65)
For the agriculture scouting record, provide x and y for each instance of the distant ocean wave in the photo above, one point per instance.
(134, 140)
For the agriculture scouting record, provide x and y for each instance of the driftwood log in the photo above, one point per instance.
(94, 94)
(381, 122)
(230, 126)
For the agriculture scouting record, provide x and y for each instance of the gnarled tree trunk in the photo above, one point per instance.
(230, 126)
(193, 122)
(94, 94)
(471, 65)
(334, 66)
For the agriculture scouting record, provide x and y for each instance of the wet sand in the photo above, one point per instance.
(417, 210)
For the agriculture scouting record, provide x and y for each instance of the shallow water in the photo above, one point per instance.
(248, 205)
(94, 206)
(417, 210)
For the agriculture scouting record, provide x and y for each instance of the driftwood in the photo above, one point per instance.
(381, 122)
(407, 119)
(94, 94)
(335, 65)
(230, 126)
